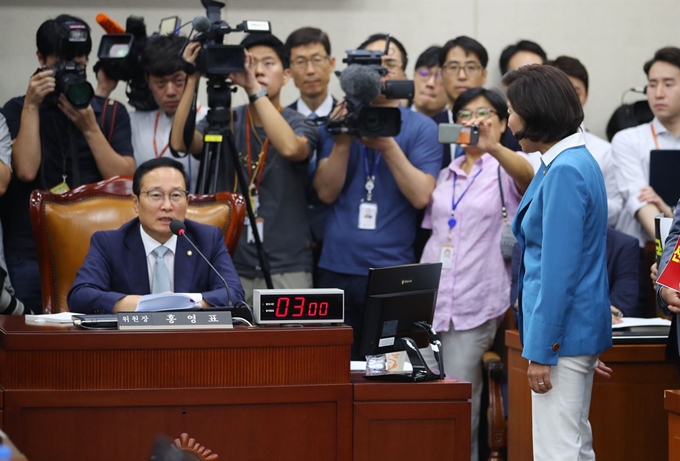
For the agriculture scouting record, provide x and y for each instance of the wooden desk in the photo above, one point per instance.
(247, 394)
(672, 405)
(626, 412)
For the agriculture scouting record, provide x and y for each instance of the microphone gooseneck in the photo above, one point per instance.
(177, 227)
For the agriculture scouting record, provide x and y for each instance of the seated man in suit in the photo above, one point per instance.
(144, 256)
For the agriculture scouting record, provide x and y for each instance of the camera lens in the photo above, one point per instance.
(374, 121)
(79, 94)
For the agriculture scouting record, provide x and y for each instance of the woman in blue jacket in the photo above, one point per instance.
(561, 226)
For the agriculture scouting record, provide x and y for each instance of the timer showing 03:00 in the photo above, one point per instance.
(282, 306)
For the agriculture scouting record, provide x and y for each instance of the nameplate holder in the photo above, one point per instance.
(175, 320)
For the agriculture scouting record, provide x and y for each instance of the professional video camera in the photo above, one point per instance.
(71, 79)
(216, 58)
(361, 82)
(120, 57)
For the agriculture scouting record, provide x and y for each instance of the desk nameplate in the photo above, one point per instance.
(190, 320)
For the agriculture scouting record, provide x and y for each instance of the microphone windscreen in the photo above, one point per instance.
(177, 227)
(361, 83)
(200, 24)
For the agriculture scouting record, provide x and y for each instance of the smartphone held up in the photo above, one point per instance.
(455, 133)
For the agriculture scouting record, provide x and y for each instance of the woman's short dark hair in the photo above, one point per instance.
(496, 100)
(377, 37)
(52, 39)
(669, 54)
(545, 99)
(149, 165)
(308, 36)
(161, 55)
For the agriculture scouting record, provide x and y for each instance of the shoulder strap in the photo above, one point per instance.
(107, 120)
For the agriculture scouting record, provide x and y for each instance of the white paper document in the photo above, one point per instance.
(169, 302)
(61, 317)
(628, 322)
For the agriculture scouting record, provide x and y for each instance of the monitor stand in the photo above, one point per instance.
(421, 371)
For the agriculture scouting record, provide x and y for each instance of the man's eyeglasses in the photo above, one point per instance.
(464, 115)
(452, 69)
(156, 196)
(426, 74)
(316, 60)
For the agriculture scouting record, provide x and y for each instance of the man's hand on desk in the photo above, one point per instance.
(127, 304)
(672, 299)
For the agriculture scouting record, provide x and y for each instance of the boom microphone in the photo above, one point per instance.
(177, 227)
(200, 24)
(109, 25)
(361, 83)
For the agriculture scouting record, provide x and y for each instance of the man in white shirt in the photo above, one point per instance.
(598, 147)
(311, 66)
(631, 147)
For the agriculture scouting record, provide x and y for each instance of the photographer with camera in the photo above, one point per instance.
(376, 186)
(64, 137)
(164, 71)
(274, 145)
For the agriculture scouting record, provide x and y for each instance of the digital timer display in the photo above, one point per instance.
(299, 306)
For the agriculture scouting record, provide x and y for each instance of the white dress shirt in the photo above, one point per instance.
(630, 152)
(151, 244)
(602, 152)
(143, 130)
(322, 111)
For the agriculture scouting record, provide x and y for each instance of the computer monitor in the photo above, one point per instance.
(397, 298)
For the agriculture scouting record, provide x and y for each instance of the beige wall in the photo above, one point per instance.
(612, 38)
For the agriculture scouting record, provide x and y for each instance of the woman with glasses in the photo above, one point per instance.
(466, 218)
(563, 293)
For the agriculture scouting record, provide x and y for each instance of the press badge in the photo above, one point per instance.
(259, 222)
(446, 256)
(368, 215)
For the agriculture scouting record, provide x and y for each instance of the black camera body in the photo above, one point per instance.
(215, 58)
(120, 57)
(72, 82)
(362, 84)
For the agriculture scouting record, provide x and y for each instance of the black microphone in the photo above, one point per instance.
(361, 83)
(177, 227)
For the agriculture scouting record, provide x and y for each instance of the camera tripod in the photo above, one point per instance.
(218, 146)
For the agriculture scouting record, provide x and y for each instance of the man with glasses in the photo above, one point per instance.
(144, 256)
(430, 98)
(311, 66)
(376, 186)
(463, 63)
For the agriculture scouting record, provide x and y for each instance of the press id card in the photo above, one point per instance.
(446, 256)
(368, 215)
(259, 222)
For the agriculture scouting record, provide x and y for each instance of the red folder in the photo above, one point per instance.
(670, 276)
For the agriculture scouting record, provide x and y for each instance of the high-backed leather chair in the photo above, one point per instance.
(63, 224)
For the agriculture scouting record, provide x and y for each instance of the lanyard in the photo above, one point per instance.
(454, 202)
(656, 140)
(370, 174)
